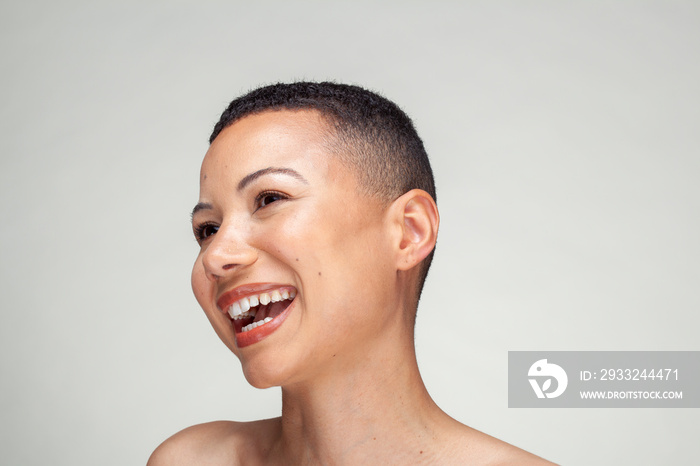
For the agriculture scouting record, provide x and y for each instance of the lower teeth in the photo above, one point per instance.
(256, 324)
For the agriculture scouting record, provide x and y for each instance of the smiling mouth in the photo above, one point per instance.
(257, 315)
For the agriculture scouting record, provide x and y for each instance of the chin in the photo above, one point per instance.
(264, 375)
(259, 384)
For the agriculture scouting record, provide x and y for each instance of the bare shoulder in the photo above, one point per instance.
(475, 447)
(214, 443)
(506, 454)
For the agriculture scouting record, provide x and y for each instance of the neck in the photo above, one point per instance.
(376, 402)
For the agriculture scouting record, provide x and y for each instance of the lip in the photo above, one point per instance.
(257, 334)
(244, 339)
(243, 291)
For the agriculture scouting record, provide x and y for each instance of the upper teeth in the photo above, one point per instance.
(245, 307)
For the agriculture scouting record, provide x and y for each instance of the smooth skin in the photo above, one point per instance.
(344, 357)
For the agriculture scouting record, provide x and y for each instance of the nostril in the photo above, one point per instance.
(224, 255)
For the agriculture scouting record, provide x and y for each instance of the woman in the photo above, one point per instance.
(317, 223)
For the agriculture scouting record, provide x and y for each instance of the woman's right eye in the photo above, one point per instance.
(205, 230)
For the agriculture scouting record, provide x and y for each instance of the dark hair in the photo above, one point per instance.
(367, 131)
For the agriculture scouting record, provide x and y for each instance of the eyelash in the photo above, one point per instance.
(261, 197)
(200, 230)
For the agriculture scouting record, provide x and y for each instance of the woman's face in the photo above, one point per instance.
(291, 249)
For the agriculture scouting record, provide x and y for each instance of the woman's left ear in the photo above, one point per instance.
(417, 215)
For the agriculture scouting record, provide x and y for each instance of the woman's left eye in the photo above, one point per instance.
(268, 197)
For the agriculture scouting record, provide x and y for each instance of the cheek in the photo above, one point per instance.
(289, 237)
(204, 291)
(200, 283)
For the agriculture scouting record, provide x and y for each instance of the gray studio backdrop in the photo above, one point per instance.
(564, 141)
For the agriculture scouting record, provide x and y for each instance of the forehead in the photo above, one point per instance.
(281, 139)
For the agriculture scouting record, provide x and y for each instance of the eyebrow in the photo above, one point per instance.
(268, 171)
(249, 179)
(200, 206)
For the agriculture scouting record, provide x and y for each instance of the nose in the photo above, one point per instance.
(227, 253)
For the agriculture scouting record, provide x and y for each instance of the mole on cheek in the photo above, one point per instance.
(319, 274)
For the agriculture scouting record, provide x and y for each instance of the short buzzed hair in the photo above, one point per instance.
(368, 132)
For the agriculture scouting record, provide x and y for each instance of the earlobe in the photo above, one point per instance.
(420, 220)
